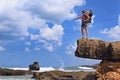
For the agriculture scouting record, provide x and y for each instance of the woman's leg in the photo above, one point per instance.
(86, 30)
(82, 31)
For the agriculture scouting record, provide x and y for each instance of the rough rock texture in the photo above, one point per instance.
(11, 72)
(108, 70)
(36, 75)
(60, 75)
(34, 66)
(108, 52)
(97, 49)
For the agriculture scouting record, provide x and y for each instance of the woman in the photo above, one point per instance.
(85, 17)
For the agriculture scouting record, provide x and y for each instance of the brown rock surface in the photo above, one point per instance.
(11, 72)
(108, 70)
(97, 49)
(60, 75)
(108, 52)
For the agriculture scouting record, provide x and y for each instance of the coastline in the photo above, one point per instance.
(61, 75)
(12, 72)
(51, 73)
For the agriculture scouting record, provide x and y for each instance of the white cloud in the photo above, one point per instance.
(28, 43)
(14, 22)
(114, 32)
(95, 38)
(50, 38)
(27, 49)
(55, 33)
(49, 47)
(37, 49)
(54, 10)
(34, 36)
(70, 49)
(119, 20)
(2, 48)
(17, 16)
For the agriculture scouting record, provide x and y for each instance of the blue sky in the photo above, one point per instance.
(45, 30)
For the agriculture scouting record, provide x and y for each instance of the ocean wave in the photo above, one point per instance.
(66, 69)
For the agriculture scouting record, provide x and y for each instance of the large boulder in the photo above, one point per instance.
(108, 52)
(108, 70)
(98, 49)
(34, 66)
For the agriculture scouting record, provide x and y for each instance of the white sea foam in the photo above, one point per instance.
(43, 69)
(19, 68)
(88, 68)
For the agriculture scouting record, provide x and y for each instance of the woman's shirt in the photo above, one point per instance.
(84, 18)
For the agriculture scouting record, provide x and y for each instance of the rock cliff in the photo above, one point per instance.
(108, 52)
(108, 70)
(98, 49)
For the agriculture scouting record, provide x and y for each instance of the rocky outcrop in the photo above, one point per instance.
(108, 52)
(34, 66)
(108, 70)
(36, 75)
(98, 49)
(60, 75)
(11, 72)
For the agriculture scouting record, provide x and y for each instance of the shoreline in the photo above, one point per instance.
(51, 73)
(56, 75)
(61, 75)
(11, 72)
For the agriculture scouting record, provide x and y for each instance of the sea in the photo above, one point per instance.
(44, 69)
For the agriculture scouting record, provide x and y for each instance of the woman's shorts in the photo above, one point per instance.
(84, 25)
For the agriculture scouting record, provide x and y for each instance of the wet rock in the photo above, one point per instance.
(34, 66)
(36, 75)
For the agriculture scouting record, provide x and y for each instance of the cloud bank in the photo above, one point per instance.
(114, 32)
(17, 16)
(2, 48)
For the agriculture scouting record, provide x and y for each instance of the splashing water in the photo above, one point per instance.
(61, 61)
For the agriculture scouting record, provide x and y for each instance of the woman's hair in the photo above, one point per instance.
(83, 11)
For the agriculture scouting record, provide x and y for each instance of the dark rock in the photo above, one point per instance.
(36, 75)
(98, 49)
(34, 66)
(11, 72)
